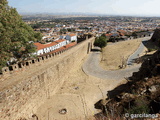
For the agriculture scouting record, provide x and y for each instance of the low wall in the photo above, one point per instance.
(30, 84)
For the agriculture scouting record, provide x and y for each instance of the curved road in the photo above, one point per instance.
(137, 52)
(92, 67)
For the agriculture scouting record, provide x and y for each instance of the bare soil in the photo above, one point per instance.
(78, 95)
(114, 54)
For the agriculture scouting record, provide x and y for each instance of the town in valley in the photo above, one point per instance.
(79, 60)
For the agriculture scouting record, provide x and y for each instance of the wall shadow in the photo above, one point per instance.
(113, 94)
(96, 49)
(150, 44)
(118, 90)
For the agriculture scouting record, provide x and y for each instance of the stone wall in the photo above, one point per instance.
(27, 85)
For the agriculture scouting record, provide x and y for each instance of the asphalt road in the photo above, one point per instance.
(137, 52)
(92, 67)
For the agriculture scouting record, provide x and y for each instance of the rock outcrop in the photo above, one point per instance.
(156, 37)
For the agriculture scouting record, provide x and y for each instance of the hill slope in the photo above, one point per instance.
(141, 94)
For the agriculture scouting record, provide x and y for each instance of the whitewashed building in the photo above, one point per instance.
(46, 48)
(71, 37)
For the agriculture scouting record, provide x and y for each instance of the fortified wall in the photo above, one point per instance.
(25, 86)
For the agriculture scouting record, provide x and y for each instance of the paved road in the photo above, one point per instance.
(92, 67)
(137, 52)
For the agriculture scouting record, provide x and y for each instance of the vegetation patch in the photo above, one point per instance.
(16, 37)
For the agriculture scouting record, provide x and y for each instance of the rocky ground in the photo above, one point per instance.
(141, 94)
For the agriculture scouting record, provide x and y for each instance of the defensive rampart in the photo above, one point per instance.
(25, 86)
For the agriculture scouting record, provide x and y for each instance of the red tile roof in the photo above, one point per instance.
(121, 34)
(60, 40)
(41, 46)
(122, 31)
(72, 35)
(108, 35)
(62, 48)
(70, 45)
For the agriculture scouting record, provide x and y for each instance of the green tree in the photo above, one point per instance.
(103, 35)
(14, 34)
(100, 42)
(134, 34)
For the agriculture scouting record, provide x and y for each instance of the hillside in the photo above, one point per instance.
(141, 94)
(156, 37)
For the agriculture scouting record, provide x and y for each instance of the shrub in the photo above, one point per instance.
(140, 107)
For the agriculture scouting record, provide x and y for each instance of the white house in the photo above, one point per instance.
(71, 38)
(46, 48)
(39, 47)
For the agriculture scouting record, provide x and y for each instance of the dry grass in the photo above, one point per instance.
(113, 55)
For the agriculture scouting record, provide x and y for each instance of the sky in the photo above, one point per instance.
(108, 7)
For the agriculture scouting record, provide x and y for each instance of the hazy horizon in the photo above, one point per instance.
(102, 7)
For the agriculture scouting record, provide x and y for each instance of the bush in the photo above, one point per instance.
(140, 107)
(152, 49)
